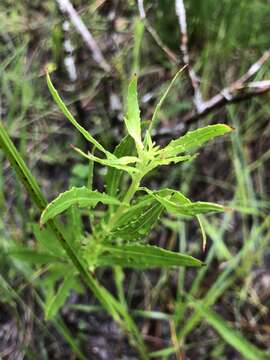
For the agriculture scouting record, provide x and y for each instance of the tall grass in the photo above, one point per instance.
(204, 314)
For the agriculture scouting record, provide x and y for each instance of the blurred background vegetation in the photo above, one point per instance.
(225, 38)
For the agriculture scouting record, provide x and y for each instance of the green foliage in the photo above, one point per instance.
(195, 139)
(114, 175)
(128, 222)
(55, 300)
(137, 221)
(125, 219)
(70, 117)
(232, 337)
(133, 119)
(143, 257)
(82, 197)
(238, 242)
(131, 223)
(34, 256)
(159, 104)
(176, 203)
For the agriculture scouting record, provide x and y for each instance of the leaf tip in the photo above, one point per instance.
(41, 221)
(229, 128)
(49, 68)
(203, 246)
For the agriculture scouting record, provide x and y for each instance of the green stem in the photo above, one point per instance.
(113, 307)
(126, 201)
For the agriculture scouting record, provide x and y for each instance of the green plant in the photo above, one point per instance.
(119, 229)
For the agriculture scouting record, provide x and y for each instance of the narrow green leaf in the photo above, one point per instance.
(143, 256)
(191, 209)
(33, 256)
(114, 176)
(70, 117)
(155, 315)
(82, 197)
(118, 163)
(163, 353)
(230, 335)
(55, 302)
(178, 197)
(47, 240)
(55, 274)
(194, 139)
(112, 306)
(24, 174)
(174, 159)
(177, 203)
(137, 221)
(91, 172)
(138, 34)
(133, 119)
(159, 104)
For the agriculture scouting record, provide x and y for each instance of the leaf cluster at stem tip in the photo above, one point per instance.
(129, 219)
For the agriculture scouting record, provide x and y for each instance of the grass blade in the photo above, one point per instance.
(159, 104)
(231, 336)
(112, 306)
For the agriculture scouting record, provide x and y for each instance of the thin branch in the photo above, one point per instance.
(226, 97)
(239, 90)
(192, 77)
(69, 59)
(66, 7)
(141, 9)
(170, 54)
(255, 67)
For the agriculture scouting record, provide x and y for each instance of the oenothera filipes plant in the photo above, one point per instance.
(119, 237)
(119, 229)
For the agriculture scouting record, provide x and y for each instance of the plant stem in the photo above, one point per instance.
(126, 201)
(112, 305)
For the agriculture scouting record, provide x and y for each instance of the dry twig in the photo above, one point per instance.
(170, 54)
(67, 7)
(192, 77)
(238, 91)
